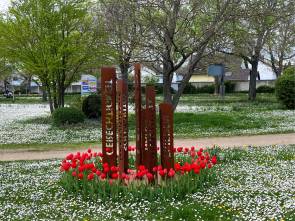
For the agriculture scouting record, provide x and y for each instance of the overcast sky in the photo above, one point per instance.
(4, 5)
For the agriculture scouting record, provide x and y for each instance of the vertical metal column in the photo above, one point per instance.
(166, 135)
(138, 112)
(122, 96)
(108, 115)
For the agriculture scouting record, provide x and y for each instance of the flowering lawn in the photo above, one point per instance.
(196, 116)
(253, 184)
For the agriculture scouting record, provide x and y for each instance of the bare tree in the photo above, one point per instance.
(253, 30)
(281, 46)
(123, 28)
(179, 34)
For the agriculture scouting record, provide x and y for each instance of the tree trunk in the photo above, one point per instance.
(29, 85)
(50, 100)
(252, 83)
(62, 97)
(55, 101)
(166, 88)
(216, 84)
(183, 84)
(44, 94)
(124, 71)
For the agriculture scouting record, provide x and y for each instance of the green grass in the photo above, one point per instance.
(226, 121)
(22, 100)
(203, 115)
(36, 99)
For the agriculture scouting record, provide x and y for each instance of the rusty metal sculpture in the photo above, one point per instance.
(122, 96)
(149, 139)
(166, 135)
(146, 140)
(108, 115)
(138, 113)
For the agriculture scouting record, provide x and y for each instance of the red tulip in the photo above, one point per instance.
(141, 167)
(115, 176)
(114, 169)
(214, 160)
(90, 176)
(203, 164)
(70, 156)
(81, 168)
(150, 176)
(74, 164)
(186, 150)
(177, 166)
(186, 167)
(193, 154)
(74, 173)
(65, 166)
(103, 176)
(162, 173)
(140, 174)
(171, 173)
(109, 150)
(80, 176)
(197, 170)
(106, 169)
(93, 170)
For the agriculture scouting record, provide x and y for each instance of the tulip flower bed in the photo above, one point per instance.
(85, 173)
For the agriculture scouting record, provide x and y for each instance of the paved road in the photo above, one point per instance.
(236, 141)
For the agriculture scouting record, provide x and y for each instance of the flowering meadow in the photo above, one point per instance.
(250, 184)
(195, 116)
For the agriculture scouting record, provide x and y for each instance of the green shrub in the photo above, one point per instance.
(67, 115)
(91, 106)
(265, 89)
(229, 87)
(190, 89)
(285, 88)
(75, 101)
(208, 89)
(159, 89)
(150, 80)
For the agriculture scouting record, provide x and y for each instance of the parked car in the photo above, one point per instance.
(8, 94)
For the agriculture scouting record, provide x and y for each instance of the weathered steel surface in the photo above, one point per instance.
(149, 154)
(108, 115)
(138, 113)
(166, 135)
(122, 96)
